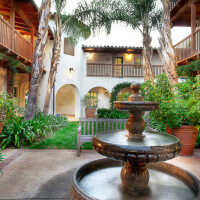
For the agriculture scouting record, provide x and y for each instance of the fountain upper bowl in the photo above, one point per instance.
(136, 105)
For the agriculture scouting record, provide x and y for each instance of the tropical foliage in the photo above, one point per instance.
(17, 132)
(180, 106)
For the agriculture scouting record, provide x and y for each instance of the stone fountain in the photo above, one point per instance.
(138, 155)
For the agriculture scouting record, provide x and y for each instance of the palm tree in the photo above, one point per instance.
(166, 50)
(42, 36)
(75, 30)
(139, 14)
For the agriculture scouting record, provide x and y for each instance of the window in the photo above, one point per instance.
(15, 92)
(118, 66)
(137, 61)
(92, 99)
(68, 47)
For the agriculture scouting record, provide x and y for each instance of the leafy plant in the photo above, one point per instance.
(9, 108)
(116, 90)
(180, 106)
(89, 101)
(18, 132)
(123, 96)
(112, 114)
(1, 159)
(190, 70)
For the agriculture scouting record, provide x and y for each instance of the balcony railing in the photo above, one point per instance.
(173, 3)
(127, 70)
(14, 41)
(183, 48)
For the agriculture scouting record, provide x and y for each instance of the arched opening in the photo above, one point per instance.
(68, 101)
(102, 96)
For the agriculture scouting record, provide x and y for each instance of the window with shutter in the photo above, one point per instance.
(68, 48)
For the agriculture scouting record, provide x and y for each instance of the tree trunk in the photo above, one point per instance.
(54, 65)
(166, 50)
(42, 36)
(147, 53)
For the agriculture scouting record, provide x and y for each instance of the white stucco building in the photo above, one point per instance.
(92, 70)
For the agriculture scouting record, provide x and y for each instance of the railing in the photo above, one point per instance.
(14, 41)
(127, 70)
(173, 3)
(22, 46)
(183, 48)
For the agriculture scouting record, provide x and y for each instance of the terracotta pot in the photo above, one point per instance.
(90, 112)
(1, 127)
(187, 135)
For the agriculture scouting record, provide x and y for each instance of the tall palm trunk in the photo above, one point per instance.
(166, 50)
(147, 53)
(54, 64)
(42, 36)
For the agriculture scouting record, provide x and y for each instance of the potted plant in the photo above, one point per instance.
(179, 109)
(90, 104)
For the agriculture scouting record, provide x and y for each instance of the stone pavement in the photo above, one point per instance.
(46, 174)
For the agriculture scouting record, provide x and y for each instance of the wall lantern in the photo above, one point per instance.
(128, 56)
(71, 70)
(89, 55)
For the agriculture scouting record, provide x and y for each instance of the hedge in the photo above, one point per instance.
(112, 114)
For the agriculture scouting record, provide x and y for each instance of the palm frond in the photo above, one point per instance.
(74, 28)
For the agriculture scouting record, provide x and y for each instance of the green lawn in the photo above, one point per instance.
(65, 138)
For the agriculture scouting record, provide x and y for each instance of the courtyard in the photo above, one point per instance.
(46, 174)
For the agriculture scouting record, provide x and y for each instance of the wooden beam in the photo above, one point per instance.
(182, 9)
(24, 17)
(193, 27)
(12, 22)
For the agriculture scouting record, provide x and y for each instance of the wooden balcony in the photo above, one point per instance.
(173, 3)
(183, 48)
(14, 42)
(127, 70)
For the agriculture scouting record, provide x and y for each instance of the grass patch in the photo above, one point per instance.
(65, 138)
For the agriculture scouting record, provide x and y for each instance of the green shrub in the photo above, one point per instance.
(1, 159)
(112, 114)
(17, 132)
(180, 106)
(116, 90)
(9, 108)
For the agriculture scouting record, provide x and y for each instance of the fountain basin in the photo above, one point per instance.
(154, 147)
(100, 180)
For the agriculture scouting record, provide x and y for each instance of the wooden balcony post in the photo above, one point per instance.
(193, 27)
(12, 22)
(32, 39)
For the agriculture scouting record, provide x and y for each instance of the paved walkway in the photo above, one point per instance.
(46, 174)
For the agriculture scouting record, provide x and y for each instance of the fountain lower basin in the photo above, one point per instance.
(100, 179)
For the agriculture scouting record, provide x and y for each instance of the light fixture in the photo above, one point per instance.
(106, 91)
(89, 55)
(71, 70)
(128, 56)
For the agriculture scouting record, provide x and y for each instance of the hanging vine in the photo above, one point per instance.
(15, 66)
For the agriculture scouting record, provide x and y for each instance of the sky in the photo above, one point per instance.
(124, 36)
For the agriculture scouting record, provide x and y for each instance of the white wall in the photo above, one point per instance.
(79, 81)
